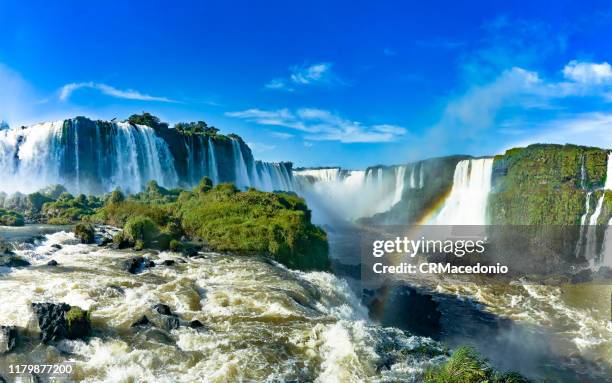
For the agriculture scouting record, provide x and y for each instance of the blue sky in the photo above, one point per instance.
(350, 83)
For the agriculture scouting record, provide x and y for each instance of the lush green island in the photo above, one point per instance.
(217, 218)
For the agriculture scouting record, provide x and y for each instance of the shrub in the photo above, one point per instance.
(466, 366)
(84, 232)
(175, 245)
(141, 228)
(11, 218)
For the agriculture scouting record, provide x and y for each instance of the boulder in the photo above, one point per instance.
(143, 321)
(196, 324)
(8, 260)
(61, 321)
(52, 262)
(168, 262)
(56, 246)
(8, 339)
(162, 309)
(136, 265)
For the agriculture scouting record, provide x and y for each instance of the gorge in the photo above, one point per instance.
(307, 314)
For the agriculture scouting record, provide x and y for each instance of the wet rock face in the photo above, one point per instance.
(8, 339)
(61, 321)
(136, 265)
(7, 260)
(51, 320)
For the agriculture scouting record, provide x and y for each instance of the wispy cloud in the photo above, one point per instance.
(588, 72)
(322, 125)
(259, 147)
(128, 94)
(305, 75)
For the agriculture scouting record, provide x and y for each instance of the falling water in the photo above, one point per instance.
(467, 202)
(591, 253)
(212, 160)
(352, 194)
(96, 157)
(242, 174)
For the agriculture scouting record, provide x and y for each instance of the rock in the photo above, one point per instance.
(604, 274)
(52, 262)
(162, 309)
(196, 324)
(79, 323)
(190, 251)
(143, 321)
(171, 322)
(168, 262)
(13, 261)
(8, 338)
(136, 265)
(61, 321)
(56, 246)
(157, 336)
(85, 232)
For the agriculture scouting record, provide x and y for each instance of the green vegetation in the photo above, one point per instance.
(543, 184)
(11, 218)
(78, 322)
(200, 127)
(85, 232)
(254, 222)
(68, 209)
(147, 119)
(276, 225)
(466, 366)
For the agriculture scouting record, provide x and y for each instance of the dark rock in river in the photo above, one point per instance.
(56, 246)
(143, 321)
(168, 262)
(196, 324)
(171, 322)
(137, 264)
(13, 261)
(61, 321)
(162, 309)
(52, 262)
(8, 338)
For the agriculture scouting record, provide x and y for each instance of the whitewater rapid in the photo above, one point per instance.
(262, 322)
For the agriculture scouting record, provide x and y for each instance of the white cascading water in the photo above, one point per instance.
(351, 194)
(95, 157)
(467, 202)
(242, 173)
(591, 253)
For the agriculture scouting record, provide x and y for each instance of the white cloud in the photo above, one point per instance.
(128, 94)
(588, 72)
(322, 125)
(259, 147)
(590, 129)
(305, 75)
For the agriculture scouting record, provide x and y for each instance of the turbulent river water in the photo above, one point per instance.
(262, 322)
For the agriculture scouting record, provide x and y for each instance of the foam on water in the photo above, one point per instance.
(262, 322)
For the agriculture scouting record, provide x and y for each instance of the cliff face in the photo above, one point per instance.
(545, 203)
(427, 183)
(90, 156)
(545, 184)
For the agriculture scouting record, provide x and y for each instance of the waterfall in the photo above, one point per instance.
(96, 157)
(242, 174)
(467, 201)
(213, 171)
(400, 171)
(591, 249)
(352, 194)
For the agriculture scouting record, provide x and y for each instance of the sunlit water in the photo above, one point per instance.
(262, 322)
